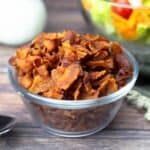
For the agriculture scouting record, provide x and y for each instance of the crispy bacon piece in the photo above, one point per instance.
(40, 84)
(101, 55)
(54, 93)
(68, 54)
(124, 66)
(91, 37)
(87, 84)
(35, 60)
(107, 64)
(81, 51)
(51, 60)
(50, 45)
(120, 57)
(97, 83)
(63, 77)
(42, 70)
(102, 87)
(25, 80)
(24, 65)
(23, 52)
(96, 75)
(86, 95)
(112, 86)
(99, 46)
(69, 36)
(77, 90)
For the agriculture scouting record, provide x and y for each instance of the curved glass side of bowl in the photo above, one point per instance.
(69, 118)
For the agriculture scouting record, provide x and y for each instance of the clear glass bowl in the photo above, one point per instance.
(70, 118)
(125, 23)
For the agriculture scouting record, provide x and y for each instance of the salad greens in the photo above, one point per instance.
(100, 14)
(142, 30)
(114, 22)
(146, 2)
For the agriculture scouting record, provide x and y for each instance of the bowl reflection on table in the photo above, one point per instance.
(132, 30)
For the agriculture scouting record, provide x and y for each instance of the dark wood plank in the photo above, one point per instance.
(5, 53)
(29, 143)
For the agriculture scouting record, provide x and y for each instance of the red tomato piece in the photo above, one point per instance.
(122, 10)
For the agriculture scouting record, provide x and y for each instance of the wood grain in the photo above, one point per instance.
(26, 143)
(128, 131)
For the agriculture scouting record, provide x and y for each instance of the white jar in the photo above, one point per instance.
(21, 20)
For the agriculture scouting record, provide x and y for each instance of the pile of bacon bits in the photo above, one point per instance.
(71, 66)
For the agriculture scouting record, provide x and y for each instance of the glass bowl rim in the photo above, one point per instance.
(123, 5)
(78, 104)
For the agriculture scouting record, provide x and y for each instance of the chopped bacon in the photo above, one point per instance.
(64, 77)
(70, 65)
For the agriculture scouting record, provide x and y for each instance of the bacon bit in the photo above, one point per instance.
(81, 52)
(102, 87)
(68, 54)
(96, 75)
(42, 70)
(36, 52)
(98, 82)
(87, 84)
(22, 54)
(101, 55)
(112, 86)
(107, 64)
(77, 90)
(91, 37)
(69, 36)
(101, 45)
(50, 45)
(54, 93)
(24, 65)
(64, 77)
(124, 66)
(40, 84)
(120, 58)
(25, 81)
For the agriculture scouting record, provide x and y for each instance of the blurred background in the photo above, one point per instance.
(27, 18)
(64, 14)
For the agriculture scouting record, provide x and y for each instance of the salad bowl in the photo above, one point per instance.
(127, 21)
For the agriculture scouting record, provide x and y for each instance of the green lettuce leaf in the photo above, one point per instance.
(100, 15)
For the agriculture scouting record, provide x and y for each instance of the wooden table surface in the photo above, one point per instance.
(129, 130)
